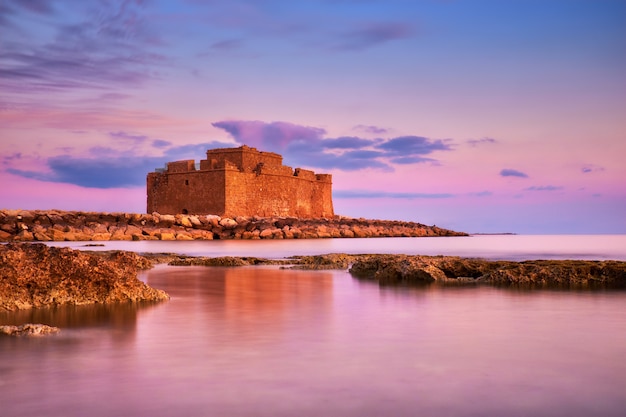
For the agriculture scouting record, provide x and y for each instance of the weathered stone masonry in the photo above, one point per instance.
(239, 182)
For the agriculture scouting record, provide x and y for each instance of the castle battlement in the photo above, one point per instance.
(239, 182)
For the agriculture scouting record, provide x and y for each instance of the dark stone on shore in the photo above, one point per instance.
(35, 275)
(52, 225)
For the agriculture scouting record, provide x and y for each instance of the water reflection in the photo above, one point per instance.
(121, 316)
(263, 341)
(244, 302)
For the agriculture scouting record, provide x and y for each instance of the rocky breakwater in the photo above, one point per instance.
(35, 275)
(404, 269)
(52, 225)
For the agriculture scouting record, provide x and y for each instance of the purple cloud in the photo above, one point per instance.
(227, 45)
(308, 147)
(544, 188)
(42, 7)
(372, 34)
(371, 129)
(128, 137)
(588, 168)
(345, 163)
(481, 194)
(363, 154)
(507, 172)
(7, 159)
(347, 142)
(269, 135)
(159, 143)
(481, 141)
(410, 145)
(408, 160)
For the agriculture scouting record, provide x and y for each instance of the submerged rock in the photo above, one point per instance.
(35, 275)
(217, 261)
(394, 269)
(28, 330)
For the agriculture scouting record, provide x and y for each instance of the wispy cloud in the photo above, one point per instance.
(508, 172)
(372, 34)
(589, 168)
(227, 45)
(481, 141)
(128, 137)
(42, 7)
(112, 47)
(544, 188)
(8, 160)
(371, 129)
(408, 160)
(481, 194)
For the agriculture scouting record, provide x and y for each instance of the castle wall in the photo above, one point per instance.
(240, 182)
(199, 192)
(277, 195)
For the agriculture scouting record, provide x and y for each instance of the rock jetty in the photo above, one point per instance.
(35, 275)
(405, 269)
(53, 225)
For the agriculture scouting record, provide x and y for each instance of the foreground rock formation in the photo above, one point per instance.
(51, 225)
(403, 269)
(28, 329)
(35, 275)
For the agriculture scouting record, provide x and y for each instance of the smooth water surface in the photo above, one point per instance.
(511, 247)
(260, 341)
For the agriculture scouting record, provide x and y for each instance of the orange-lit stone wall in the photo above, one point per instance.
(239, 182)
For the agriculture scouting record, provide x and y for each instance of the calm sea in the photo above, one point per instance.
(513, 247)
(261, 341)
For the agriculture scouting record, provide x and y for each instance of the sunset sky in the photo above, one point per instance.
(475, 115)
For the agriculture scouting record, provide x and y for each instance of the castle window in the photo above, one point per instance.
(185, 211)
(186, 182)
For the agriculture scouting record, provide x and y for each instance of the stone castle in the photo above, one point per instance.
(242, 181)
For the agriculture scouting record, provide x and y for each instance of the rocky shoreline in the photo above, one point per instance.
(446, 270)
(36, 275)
(53, 225)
